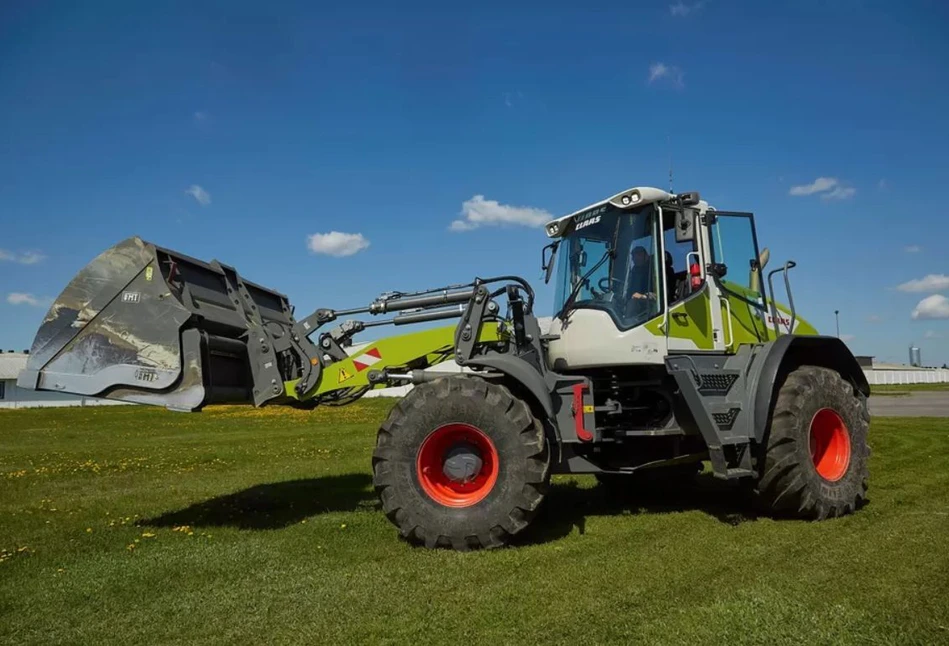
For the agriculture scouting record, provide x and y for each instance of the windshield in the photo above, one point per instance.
(609, 262)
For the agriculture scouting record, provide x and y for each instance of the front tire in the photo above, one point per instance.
(461, 463)
(815, 460)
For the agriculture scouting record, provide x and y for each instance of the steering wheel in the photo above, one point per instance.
(606, 283)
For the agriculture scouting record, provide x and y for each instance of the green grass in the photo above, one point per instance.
(901, 390)
(135, 525)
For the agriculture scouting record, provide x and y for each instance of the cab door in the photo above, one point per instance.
(688, 322)
(736, 270)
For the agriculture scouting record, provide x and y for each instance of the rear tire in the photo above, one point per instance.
(508, 480)
(815, 461)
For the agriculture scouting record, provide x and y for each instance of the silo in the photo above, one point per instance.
(914, 356)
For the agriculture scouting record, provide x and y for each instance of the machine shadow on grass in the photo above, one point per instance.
(281, 504)
(275, 505)
(568, 506)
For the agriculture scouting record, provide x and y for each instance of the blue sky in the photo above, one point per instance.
(237, 131)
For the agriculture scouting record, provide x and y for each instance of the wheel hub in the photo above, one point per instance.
(829, 444)
(457, 465)
(462, 463)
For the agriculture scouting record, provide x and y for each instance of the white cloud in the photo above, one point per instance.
(839, 193)
(668, 73)
(932, 307)
(657, 71)
(847, 338)
(913, 248)
(200, 195)
(932, 334)
(830, 188)
(23, 258)
(818, 185)
(931, 283)
(336, 244)
(200, 116)
(19, 298)
(683, 9)
(478, 212)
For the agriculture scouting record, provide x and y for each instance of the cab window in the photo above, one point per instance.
(735, 249)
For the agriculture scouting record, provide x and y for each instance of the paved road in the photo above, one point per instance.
(914, 405)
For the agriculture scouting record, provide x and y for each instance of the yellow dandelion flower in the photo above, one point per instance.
(147, 535)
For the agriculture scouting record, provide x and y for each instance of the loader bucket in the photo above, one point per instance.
(148, 325)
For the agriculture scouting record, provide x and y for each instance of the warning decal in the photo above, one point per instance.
(363, 361)
(343, 376)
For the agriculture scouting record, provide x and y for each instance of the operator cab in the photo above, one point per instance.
(647, 273)
(625, 257)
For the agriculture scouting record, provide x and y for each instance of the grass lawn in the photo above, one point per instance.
(900, 390)
(136, 525)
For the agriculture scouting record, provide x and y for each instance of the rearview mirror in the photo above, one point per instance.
(685, 225)
(547, 262)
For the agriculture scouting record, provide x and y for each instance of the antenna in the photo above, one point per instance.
(669, 146)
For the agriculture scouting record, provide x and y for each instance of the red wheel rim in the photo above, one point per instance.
(830, 444)
(430, 465)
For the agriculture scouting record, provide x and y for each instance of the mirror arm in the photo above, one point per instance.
(547, 265)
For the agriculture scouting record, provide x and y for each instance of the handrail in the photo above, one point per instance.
(728, 317)
(790, 264)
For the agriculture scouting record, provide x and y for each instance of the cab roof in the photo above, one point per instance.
(631, 198)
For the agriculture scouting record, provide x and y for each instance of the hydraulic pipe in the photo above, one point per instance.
(429, 315)
(415, 302)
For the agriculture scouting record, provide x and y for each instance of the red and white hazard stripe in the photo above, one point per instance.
(367, 359)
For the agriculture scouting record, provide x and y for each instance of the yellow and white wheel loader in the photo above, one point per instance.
(666, 348)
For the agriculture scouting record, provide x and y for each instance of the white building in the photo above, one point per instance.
(894, 374)
(11, 396)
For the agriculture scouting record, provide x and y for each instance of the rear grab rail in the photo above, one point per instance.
(775, 316)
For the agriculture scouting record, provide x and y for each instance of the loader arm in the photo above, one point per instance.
(145, 324)
(374, 364)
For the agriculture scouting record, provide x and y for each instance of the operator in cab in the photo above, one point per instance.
(640, 276)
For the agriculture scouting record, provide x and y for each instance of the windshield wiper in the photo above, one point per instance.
(567, 304)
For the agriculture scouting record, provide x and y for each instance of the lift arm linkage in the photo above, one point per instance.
(339, 377)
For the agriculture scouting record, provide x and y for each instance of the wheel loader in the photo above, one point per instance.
(667, 349)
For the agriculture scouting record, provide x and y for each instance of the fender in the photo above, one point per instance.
(787, 353)
(522, 372)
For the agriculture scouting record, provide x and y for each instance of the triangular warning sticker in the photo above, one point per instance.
(343, 376)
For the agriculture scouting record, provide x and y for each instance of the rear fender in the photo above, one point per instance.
(790, 352)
